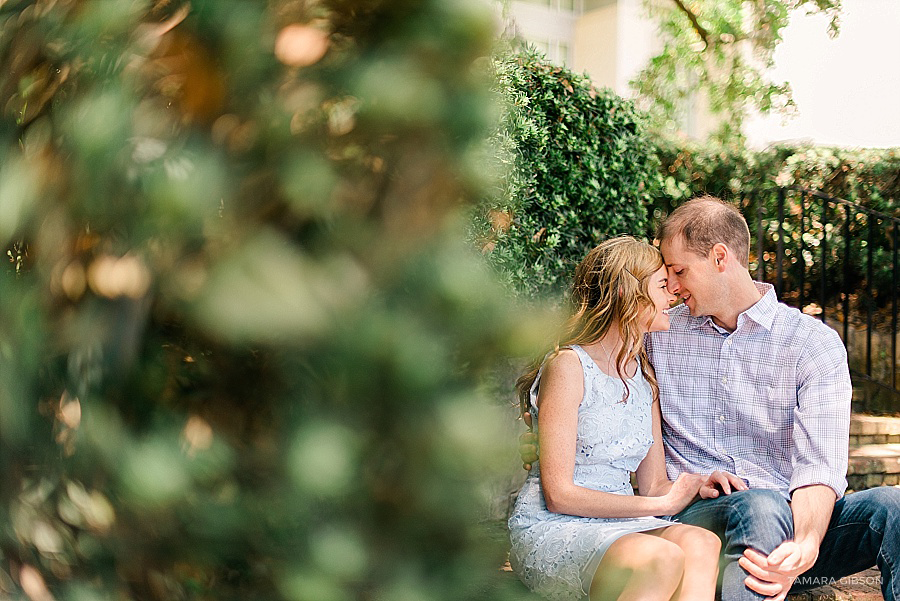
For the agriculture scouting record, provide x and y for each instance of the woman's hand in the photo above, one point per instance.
(683, 492)
(720, 483)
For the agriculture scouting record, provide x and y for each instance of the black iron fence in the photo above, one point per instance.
(837, 260)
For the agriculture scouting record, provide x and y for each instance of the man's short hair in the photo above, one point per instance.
(706, 221)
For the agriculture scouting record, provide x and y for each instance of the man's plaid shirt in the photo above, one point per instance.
(769, 402)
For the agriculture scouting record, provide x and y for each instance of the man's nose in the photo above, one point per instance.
(673, 286)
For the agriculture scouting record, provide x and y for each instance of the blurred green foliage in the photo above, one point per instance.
(577, 168)
(241, 328)
(750, 178)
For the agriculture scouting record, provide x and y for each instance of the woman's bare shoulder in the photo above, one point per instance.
(564, 369)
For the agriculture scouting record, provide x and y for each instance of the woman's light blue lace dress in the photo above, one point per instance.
(556, 555)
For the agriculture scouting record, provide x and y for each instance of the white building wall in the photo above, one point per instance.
(549, 25)
(596, 45)
(847, 89)
(638, 42)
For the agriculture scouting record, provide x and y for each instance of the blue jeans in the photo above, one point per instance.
(864, 531)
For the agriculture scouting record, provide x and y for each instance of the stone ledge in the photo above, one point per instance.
(872, 429)
(874, 459)
(871, 425)
(860, 440)
(865, 481)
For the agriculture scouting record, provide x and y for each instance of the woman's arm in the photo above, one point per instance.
(651, 473)
(561, 391)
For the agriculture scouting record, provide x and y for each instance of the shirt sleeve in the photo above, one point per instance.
(822, 416)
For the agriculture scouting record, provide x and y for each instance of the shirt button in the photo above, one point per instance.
(724, 380)
(721, 418)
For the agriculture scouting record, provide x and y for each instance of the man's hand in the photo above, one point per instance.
(774, 575)
(811, 507)
(528, 444)
(720, 481)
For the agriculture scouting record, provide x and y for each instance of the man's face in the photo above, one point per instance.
(691, 277)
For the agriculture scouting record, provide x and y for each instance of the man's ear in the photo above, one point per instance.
(721, 254)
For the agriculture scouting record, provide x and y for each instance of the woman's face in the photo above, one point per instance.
(662, 300)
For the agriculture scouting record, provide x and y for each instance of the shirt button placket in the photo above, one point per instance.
(721, 419)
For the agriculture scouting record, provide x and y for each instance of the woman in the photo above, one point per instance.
(577, 529)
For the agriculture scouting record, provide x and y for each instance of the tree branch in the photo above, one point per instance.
(704, 34)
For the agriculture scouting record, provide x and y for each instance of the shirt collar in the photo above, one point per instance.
(762, 311)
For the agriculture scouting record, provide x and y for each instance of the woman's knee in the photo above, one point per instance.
(697, 542)
(643, 564)
(647, 554)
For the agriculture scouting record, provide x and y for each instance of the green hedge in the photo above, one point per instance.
(579, 168)
(870, 177)
(867, 176)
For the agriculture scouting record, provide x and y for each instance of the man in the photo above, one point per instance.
(753, 387)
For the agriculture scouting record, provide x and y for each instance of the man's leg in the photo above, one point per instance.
(864, 532)
(759, 519)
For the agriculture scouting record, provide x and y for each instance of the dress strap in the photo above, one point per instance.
(587, 364)
(586, 360)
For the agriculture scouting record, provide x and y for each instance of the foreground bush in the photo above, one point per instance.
(240, 328)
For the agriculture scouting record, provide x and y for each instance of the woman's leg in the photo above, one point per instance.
(639, 566)
(701, 560)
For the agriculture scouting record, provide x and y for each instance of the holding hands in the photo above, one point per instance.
(683, 492)
(720, 483)
(687, 487)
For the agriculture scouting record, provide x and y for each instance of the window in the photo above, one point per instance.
(571, 6)
(557, 51)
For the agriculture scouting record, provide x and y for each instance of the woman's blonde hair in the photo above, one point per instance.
(611, 286)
